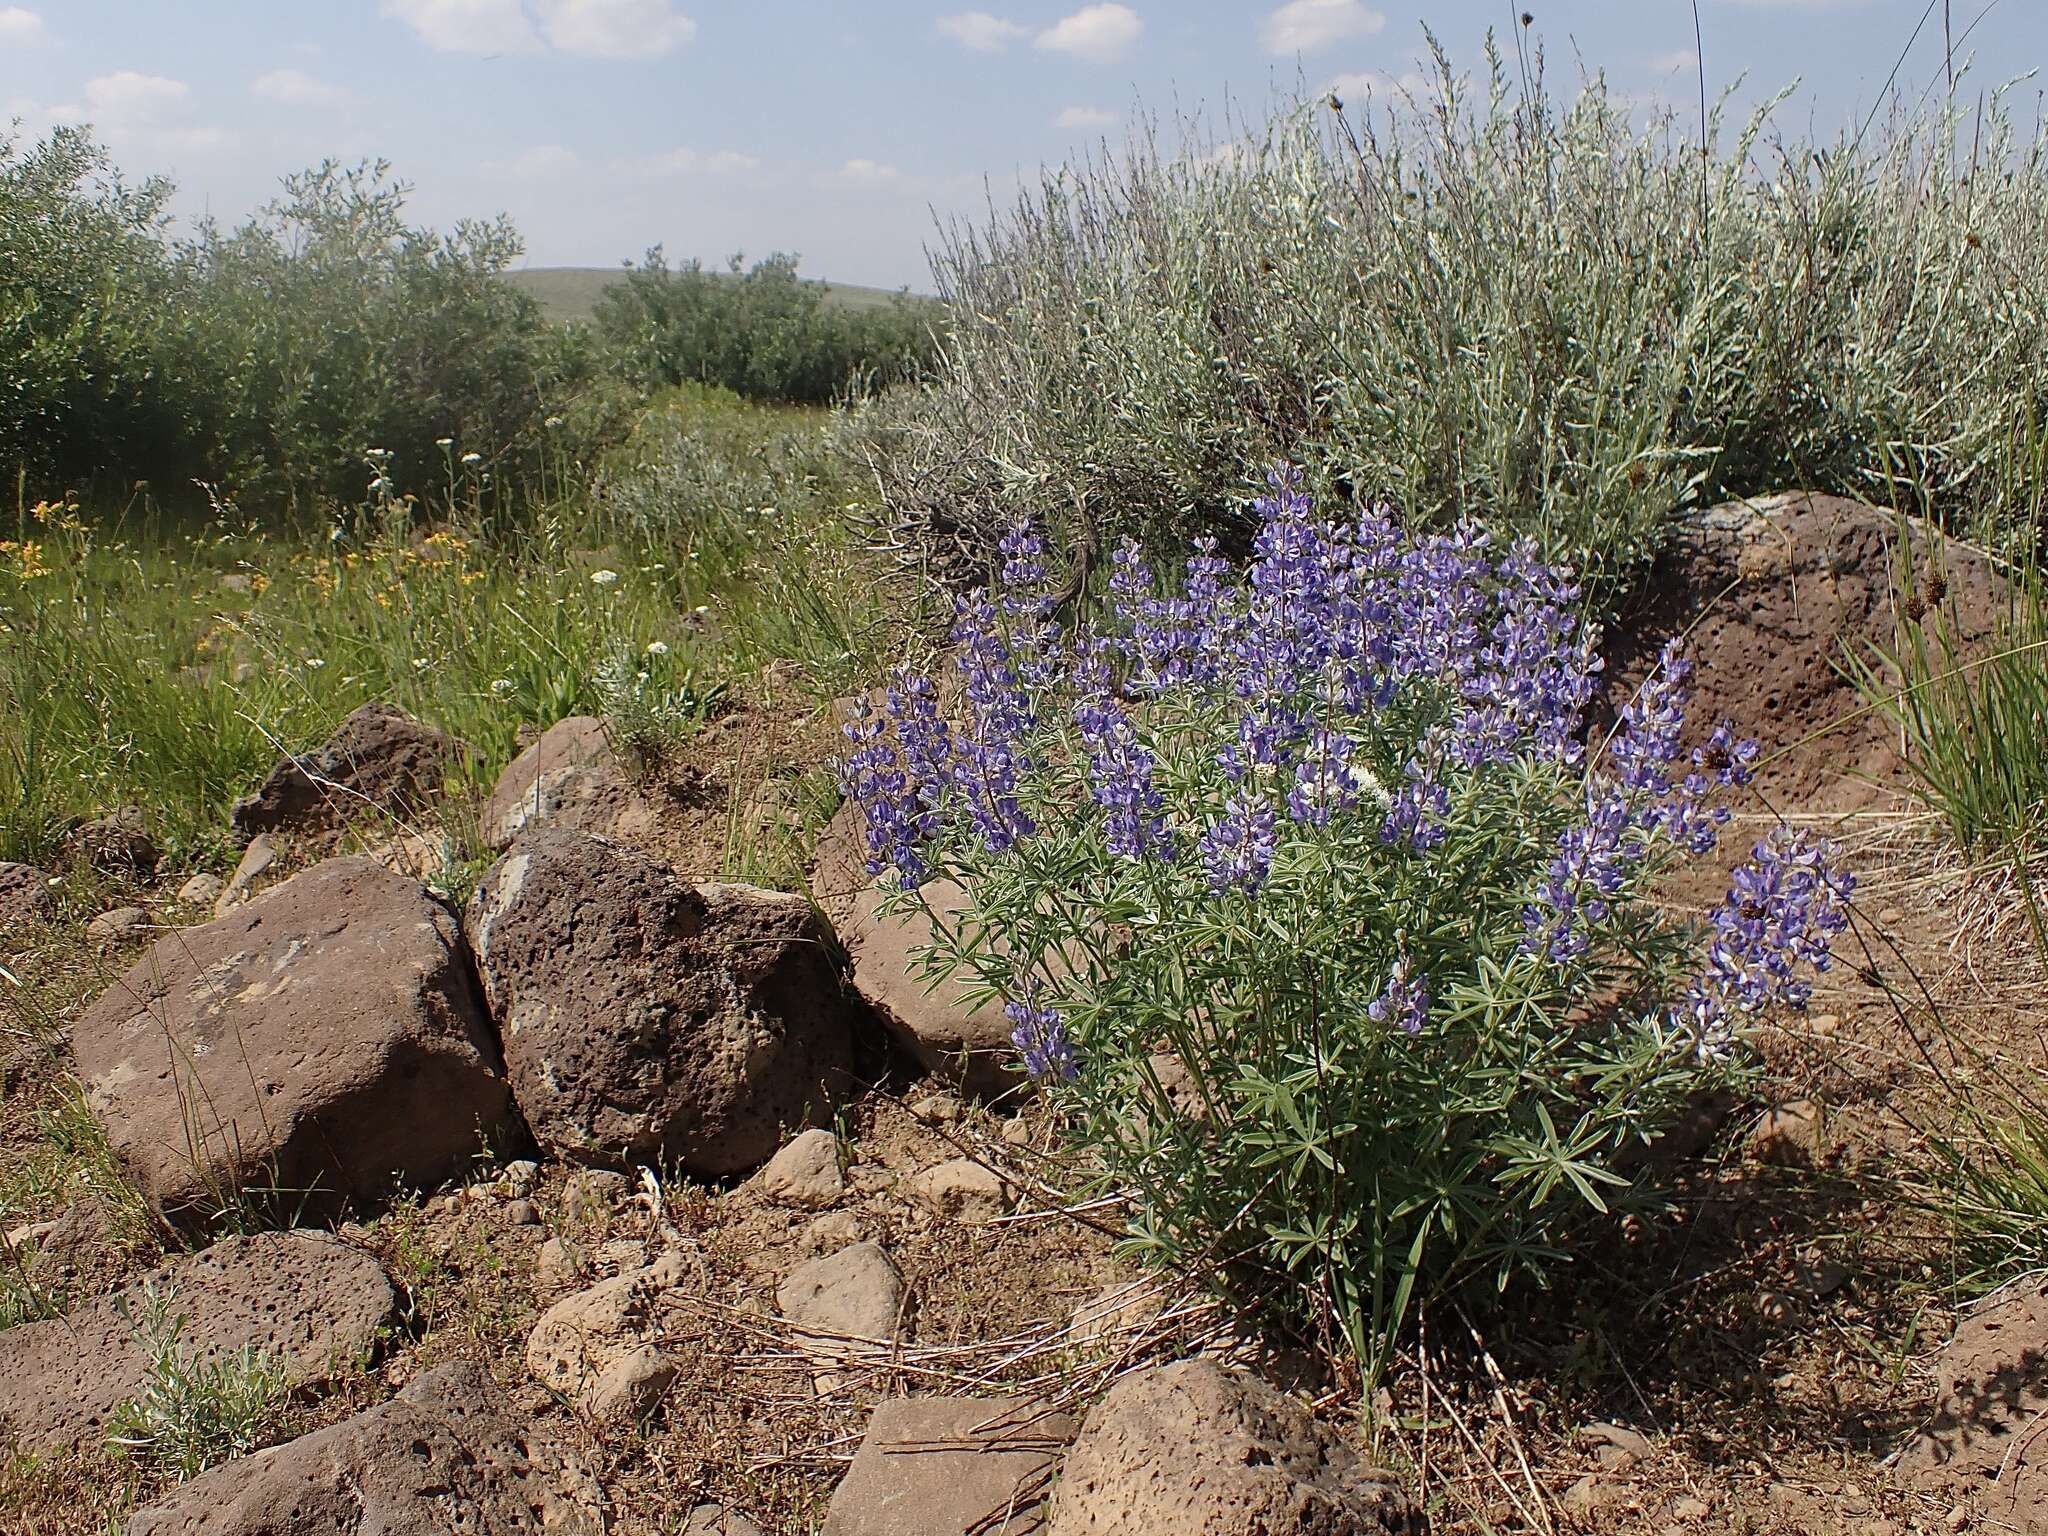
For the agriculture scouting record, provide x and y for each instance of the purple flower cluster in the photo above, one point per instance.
(1040, 1034)
(1405, 1001)
(1623, 820)
(1782, 912)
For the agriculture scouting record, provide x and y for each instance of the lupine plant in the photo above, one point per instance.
(1307, 899)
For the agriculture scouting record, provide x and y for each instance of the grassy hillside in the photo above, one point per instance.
(571, 293)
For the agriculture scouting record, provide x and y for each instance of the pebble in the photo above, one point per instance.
(115, 926)
(936, 1109)
(202, 890)
(523, 1213)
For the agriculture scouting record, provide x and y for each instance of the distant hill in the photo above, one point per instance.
(571, 293)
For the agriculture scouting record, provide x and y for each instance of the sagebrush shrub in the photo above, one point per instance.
(1307, 900)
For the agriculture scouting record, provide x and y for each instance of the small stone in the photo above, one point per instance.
(1824, 1023)
(621, 1253)
(590, 1196)
(805, 1173)
(522, 1213)
(963, 1190)
(201, 890)
(717, 1520)
(1017, 1131)
(1616, 1447)
(118, 844)
(1690, 1508)
(1818, 1275)
(560, 1263)
(24, 896)
(1958, 1517)
(631, 1388)
(932, 1466)
(518, 1178)
(1774, 1306)
(1113, 1314)
(847, 1309)
(1788, 1135)
(117, 926)
(257, 860)
(831, 1232)
(936, 1109)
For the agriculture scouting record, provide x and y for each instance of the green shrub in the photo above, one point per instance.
(84, 280)
(1300, 896)
(763, 333)
(191, 1415)
(1489, 299)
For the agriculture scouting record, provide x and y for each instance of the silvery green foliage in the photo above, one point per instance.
(1304, 898)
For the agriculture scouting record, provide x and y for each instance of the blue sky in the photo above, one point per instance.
(836, 129)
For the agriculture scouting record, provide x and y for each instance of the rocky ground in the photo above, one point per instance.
(580, 1194)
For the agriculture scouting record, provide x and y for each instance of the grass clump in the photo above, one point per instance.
(1495, 298)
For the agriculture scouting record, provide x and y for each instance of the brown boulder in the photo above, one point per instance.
(969, 1046)
(1195, 1447)
(1766, 594)
(1991, 1396)
(437, 1458)
(945, 1466)
(379, 760)
(571, 778)
(309, 1300)
(318, 1042)
(594, 1346)
(650, 1021)
(24, 896)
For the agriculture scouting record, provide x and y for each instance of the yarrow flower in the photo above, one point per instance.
(657, 647)
(604, 578)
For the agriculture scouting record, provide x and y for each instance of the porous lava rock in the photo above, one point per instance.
(118, 844)
(1196, 1447)
(942, 1464)
(312, 1303)
(378, 761)
(321, 1042)
(651, 1022)
(966, 1045)
(24, 896)
(1767, 595)
(1983, 1439)
(570, 778)
(437, 1458)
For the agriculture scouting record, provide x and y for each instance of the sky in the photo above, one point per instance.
(843, 132)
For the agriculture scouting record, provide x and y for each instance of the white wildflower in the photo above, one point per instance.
(444, 442)
(605, 578)
(501, 686)
(657, 647)
(472, 458)
(314, 663)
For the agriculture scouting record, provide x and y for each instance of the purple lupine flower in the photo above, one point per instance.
(1285, 637)
(1651, 724)
(1731, 762)
(1780, 917)
(1040, 1034)
(1237, 851)
(1405, 1001)
(1591, 868)
(1440, 600)
(1417, 813)
(1119, 766)
(1538, 669)
(989, 755)
(1324, 780)
(897, 821)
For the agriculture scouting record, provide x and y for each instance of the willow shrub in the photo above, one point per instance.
(1304, 898)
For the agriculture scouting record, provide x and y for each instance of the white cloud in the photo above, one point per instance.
(698, 162)
(1098, 33)
(981, 32)
(467, 26)
(296, 88)
(1367, 84)
(19, 27)
(1306, 26)
(128, 96)
(1674, 61)
(614, 29)
(868, 173)
(1084, 117)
